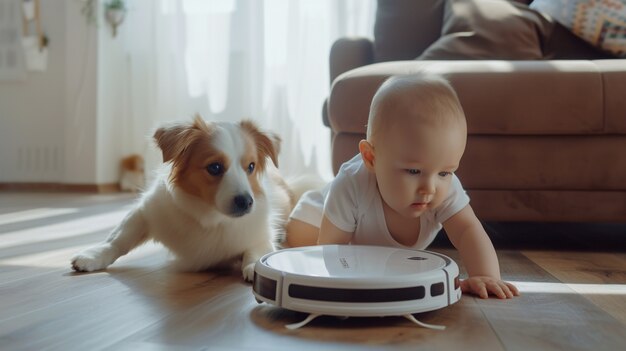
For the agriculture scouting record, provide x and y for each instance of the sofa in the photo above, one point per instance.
(546, 120)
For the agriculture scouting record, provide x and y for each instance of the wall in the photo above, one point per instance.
(58, 126)
(32, 111)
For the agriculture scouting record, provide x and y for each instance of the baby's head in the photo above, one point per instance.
(416, 135)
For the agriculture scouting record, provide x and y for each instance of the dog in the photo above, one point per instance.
(218, 198)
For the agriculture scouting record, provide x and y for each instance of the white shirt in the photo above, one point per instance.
(353, 204)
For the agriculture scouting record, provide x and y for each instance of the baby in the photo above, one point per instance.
(401, 188)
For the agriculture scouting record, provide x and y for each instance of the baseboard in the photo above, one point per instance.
(60, 187)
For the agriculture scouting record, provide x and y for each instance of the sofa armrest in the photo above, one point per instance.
(346, 54)
(349, 53)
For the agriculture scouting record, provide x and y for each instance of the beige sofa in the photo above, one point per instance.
(547, 138)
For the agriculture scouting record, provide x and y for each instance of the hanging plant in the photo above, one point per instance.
(115, 11)
(115, 5)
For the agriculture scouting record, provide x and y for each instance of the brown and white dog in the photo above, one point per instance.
(218, 198)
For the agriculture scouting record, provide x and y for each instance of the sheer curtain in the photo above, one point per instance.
(227, 60)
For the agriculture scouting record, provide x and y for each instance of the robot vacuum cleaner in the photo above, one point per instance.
(356, 281)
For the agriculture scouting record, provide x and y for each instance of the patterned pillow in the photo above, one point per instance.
(600, 22)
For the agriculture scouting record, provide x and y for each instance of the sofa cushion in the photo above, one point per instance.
(499, 97)
(489, 29)
(529, 162)
(601, 23)
(549, 205)
(614, 86)
(404, 28)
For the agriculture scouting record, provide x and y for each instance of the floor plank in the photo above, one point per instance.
(541, 319)
(599, 277)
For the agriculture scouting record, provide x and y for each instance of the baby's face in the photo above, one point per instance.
(414, 165)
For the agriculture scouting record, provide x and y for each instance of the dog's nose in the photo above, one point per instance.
(242, 204)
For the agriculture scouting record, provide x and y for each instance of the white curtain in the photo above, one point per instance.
(232, 59)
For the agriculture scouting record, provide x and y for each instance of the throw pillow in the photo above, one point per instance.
(489, 29)
(599, 22)
(405, 27)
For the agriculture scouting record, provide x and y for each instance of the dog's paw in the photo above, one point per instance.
(248, 272)
(93, 259)
(86, 263)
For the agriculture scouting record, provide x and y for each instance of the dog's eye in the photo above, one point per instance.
(251, 168)
(215, 169)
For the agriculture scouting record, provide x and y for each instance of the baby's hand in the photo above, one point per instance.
(483, 286)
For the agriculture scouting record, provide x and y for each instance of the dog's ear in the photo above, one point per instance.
(174, 139)
(267, 144)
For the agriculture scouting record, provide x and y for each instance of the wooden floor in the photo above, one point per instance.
(572, 278)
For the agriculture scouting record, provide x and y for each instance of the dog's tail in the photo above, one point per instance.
(299, 185)
(296, 187)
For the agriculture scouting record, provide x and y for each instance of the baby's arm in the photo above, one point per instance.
(478, 255)
(330, 234)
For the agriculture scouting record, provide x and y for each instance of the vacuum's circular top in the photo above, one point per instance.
(354, 261)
